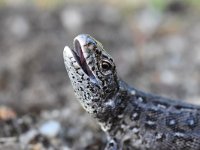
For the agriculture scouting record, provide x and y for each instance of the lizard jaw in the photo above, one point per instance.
(77, 54)
(79, 57)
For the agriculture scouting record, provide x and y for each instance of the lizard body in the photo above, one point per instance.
(131, 118)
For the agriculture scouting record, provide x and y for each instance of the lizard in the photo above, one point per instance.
(132, 119)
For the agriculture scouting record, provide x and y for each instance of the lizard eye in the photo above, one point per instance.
(106, 65)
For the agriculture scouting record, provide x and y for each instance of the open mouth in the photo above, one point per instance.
(78, 55)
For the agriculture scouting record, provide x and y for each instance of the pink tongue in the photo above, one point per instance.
(82, 61)
(82, 58)
(79, 51)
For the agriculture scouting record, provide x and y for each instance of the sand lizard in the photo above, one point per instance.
(131, 118)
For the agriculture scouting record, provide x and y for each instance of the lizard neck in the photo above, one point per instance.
(115, 107)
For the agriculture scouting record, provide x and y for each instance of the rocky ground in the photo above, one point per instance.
(155, 51)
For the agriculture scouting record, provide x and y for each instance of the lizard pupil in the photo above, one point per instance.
(106, 65)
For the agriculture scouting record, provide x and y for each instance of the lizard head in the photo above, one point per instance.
(92, 73)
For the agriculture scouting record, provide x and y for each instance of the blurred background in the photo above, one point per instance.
(155, 44)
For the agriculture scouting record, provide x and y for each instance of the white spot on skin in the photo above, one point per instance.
(105, 127)
(155, 108)
(150, 122)
(123, 126)
(140, 99)
(161, 106)
(179, 134)
(135, 115)
(191, 122)
(133, 92)
(110, 103)
(186, 109)
(135, 130)
(159, 136)
(120, 116)
(172, 122)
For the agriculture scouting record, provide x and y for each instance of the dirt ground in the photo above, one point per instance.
(155, 51)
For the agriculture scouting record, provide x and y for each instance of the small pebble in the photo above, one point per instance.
(7, 113)
(27, 137)
(50, 128)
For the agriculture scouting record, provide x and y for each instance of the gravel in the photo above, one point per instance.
(155, 51)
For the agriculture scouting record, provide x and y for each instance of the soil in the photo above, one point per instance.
(154, 51)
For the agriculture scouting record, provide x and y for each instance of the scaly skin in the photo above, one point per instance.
(132, 119)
